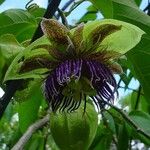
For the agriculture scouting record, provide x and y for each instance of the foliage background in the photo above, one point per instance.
(17, 26)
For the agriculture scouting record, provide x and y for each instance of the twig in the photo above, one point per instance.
(147, 7)
(63, 18)
(11, 87)
(131, 122)
(134, 90)
(138, 97)
(27, 135)
(14, 85)
(67, 4)
(73, 7)
(118, 84)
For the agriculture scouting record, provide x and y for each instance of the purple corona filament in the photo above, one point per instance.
(99, 76)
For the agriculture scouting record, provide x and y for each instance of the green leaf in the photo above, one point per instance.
(9, 46)
(138, 2)
(127, 10)
(37, 142)
(28, 110)
(18, 22)
(142, 120)
(120, 41)
(123, 138)
(91, 14)
(103, 138)
(37, 11)
(139, 58)
(110, 122)
(30, 52)
(105, 6)
(1, 1)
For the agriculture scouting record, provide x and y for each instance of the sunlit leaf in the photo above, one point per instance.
(18, 22)
(31, 51)
(120, 41)
(127, 10)
(9, 46)
(105, 6)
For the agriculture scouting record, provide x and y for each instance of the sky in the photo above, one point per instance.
(75, 15)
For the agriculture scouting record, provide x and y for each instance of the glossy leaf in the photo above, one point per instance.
(139, 58)
(105, 6)
(142, 120)
(128, 11)
(9, 46)
(28, 110)
(91, 14)
(18, 22)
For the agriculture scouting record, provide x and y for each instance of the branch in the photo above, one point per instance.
(11, 87)
(27, 135)
(138, 97)
(63, 18)
(130, 121)
(14, 85)
(65, 7)
(75, 5)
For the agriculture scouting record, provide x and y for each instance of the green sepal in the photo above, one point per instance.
(29, 53)
(56, 32)
(120, 41)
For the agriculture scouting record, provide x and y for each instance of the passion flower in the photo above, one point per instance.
(82, 61)
(80, 71)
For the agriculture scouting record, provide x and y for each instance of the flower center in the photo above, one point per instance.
(75, 80)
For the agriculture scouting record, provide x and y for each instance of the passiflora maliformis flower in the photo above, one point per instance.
(82, 61)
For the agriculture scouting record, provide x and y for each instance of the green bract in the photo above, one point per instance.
(74, 131)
